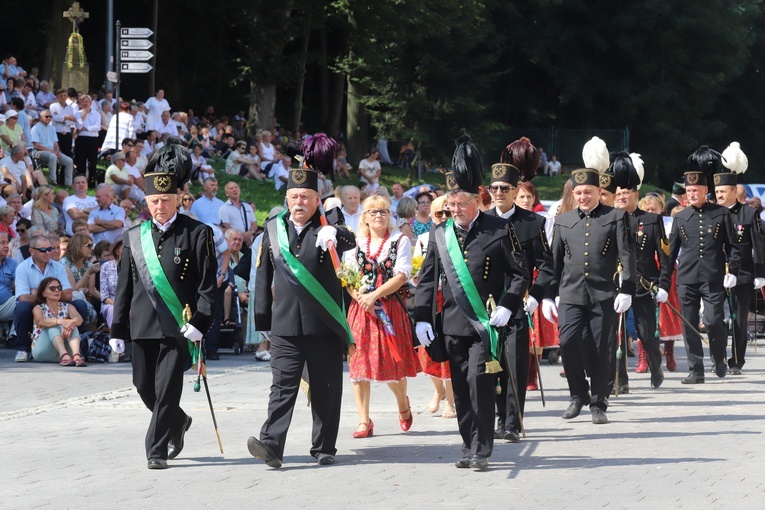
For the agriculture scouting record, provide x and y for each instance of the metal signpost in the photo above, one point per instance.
(132, 48)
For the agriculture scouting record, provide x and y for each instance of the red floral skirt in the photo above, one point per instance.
(544, 333)
(375, 358)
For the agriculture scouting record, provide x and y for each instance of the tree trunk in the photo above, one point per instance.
(55, 49)
(298, 110)
(262, 106)
(323, 77)
(336, 101)
(356, 125)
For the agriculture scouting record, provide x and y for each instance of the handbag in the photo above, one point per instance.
(437, 348)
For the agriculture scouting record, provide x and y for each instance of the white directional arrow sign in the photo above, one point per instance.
(135, 44)
(135, 33)
(135, 55)
(135, 67)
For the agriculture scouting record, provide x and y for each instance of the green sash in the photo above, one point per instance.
(161, 283)
(468, 286)
(307, 280)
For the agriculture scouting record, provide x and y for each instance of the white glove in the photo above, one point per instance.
(424, 333)
(117, 345)
(549, 309)
(191, 333)
(325, 235)
(759, 283)
(531, 305)
(500, 316)
(729, 281)
(661, 296)
(622, 303)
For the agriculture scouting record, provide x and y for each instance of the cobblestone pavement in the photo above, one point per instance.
(73, 438)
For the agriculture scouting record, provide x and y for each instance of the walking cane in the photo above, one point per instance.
(490, 307)
(202, 374)
(536, 362)
(618, 353)
(733, 319)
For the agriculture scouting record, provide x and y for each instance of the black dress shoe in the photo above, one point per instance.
(325, 459)
(463, 463)
(513, 436)
(499, 433)
(175, 445)
(721, 369)
(598, 416)
(693, 379)
(657, 378)
(263, 452)
(157, 464)
(479, 462)
(574, 408)
(213, 356)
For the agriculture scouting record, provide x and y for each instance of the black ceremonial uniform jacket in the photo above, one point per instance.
(290, 317)
(494, 259)
(586, 253)
(749, 235)
(192, 276)
(531, 234)
(705, 235)
(651, 244)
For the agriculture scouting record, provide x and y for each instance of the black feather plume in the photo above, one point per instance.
(705, 160)
(623, 171)
(172, 158)
(524, 156)
(467, 165)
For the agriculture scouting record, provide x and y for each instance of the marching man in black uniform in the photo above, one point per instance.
(168, 264)
(519, 161)
(594, 262)
(479, 257)
(651, 253)
(749, 235)
(307, 324)
(703, 235)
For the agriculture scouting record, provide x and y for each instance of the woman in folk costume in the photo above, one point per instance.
(377, 316)
(440, 374)
(670, 325)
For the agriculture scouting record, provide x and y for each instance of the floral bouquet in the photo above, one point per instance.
(417, 264)
(352, 278)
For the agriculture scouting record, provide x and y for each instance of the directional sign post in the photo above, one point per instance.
(135, 33)
(135, 55)
(135, 44)
(135, 67)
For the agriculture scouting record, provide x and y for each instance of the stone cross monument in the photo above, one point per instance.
(76, 69)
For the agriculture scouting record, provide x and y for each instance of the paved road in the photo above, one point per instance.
(73, 438)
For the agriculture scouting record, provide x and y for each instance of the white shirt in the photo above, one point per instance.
(15, 169)
(403, 264)
(169, 128)
(73, 201)
(58, 113)
(240, 218)
(113, 212)
(278, 171)
(502, 215)
(126, 130)
(155, 108)
(352, 220)
(90, 125)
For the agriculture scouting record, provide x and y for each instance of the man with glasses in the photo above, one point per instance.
(479, 256)
(29, 274)
(46, 149)
(519, 161)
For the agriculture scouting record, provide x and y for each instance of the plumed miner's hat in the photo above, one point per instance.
(734, 160)
(467, 167)
(168, 169)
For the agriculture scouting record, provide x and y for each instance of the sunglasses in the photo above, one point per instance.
(503, 189)
(55, 288)
(443, 214)
(21, 230)
(45, 116)
(89, 245)
(43, 250)
(187, 199)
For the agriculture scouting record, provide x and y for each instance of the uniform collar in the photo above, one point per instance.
(469, 226)
(164, 228)
(591, 212)
(506, 215)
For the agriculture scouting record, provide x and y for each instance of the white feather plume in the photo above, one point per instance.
(637, 162)
(734, 159)
(595, 155)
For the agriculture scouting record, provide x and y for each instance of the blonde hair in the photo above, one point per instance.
(437, 205)
(41, 192)
(374, 202)
(643, 204)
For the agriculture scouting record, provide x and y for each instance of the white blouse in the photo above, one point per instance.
(403, 262)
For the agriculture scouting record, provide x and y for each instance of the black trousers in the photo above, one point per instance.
(743, 298)
(644, 311)
(65, 143)
(516, 355)
(474, 393)
(586, 332)
(714, 296)
(158, 376)
(86, 157)
(323, 355)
